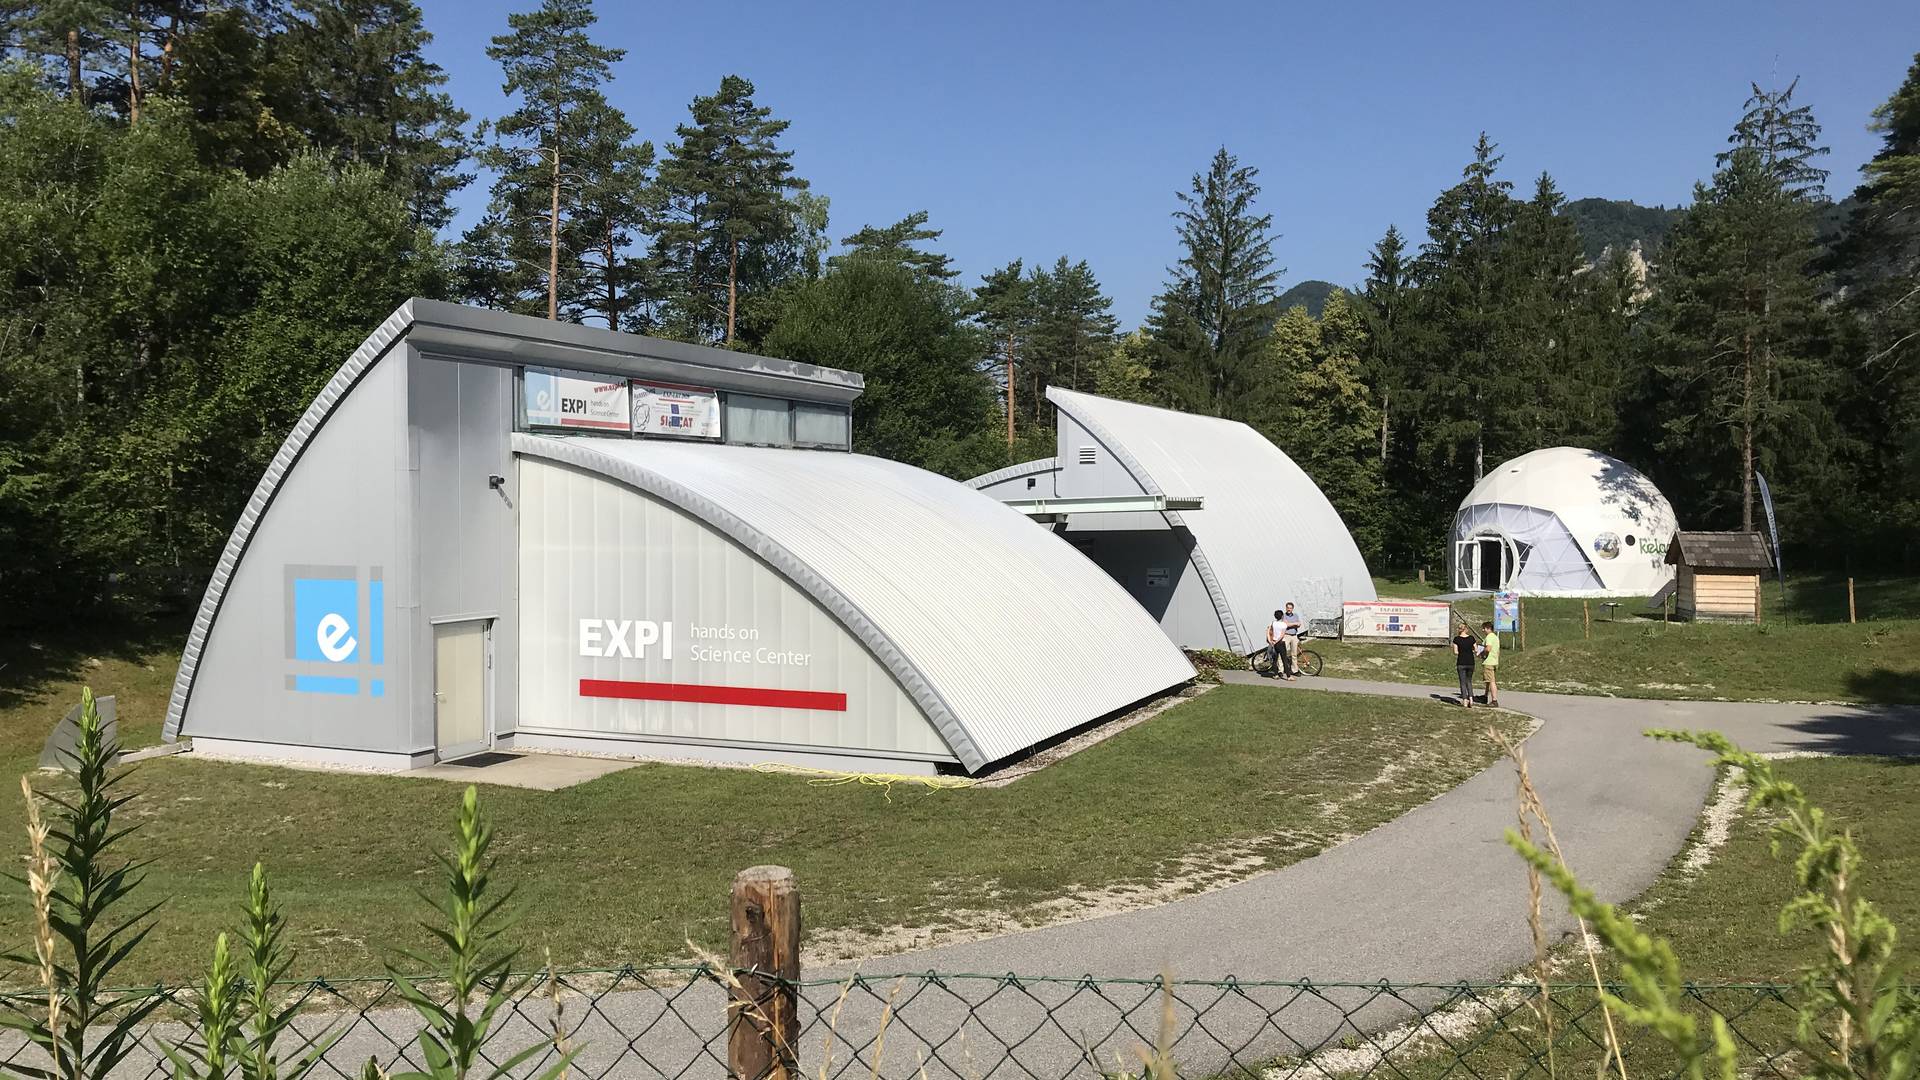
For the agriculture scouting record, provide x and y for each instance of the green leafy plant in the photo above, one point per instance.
(239, 1024)
(1857, 1019)
(83, 888)
(454, 1035)
(211, 1054)
(1858, 1016)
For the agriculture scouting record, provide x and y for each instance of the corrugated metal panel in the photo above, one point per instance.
(1004, 636)
(363, 358)
(595, 548)
(1038, 467)
(1267, 534)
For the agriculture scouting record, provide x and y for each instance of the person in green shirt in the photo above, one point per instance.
(1490, 663)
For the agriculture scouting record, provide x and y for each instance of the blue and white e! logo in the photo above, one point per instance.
(327, 627)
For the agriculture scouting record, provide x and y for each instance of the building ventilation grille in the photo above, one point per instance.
(1089, 455)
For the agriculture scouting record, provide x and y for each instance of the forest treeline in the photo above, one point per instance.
(203, 209)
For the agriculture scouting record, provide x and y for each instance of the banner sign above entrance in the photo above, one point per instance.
(690, 412)
(1409, 622)
(561, 399)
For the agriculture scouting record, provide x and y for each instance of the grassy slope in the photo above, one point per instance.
(624, 869)
(1803, 650)
(1722, 922)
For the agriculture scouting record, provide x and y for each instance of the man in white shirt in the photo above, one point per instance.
(1276, 645)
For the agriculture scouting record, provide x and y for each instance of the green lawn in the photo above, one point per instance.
(1723, 923)
(626, 868)
(1803, 649)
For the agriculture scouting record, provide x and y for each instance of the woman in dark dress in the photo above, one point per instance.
(1464, 644)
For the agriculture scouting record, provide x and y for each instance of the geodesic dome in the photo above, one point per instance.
(1563, 522)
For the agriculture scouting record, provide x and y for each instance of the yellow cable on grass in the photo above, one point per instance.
(884, 781)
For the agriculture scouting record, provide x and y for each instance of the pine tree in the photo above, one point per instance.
(1220, 299)
(1879, 270)
(1786, 137)
(1004, 306)
(363, 89)
(614, 202)
(1073, 325)
(1383, 303)
(1560, 391)
(728, 188)
(552, 65)
(224, 79)
(69, 37)
(1462, 277)
(1733, 327)
(897, 244)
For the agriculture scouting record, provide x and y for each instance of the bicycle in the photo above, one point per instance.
(1307, 663)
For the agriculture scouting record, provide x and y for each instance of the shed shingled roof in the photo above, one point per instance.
(1719, 551)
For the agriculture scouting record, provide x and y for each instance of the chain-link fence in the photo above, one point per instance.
(673, 1023)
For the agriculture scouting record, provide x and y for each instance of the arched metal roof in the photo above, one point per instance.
(1267, 534)
(1004, 636)
(373, 348)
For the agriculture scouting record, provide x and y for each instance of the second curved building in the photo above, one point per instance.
(1206, 523)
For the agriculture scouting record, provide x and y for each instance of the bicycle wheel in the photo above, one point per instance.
(1309, 662)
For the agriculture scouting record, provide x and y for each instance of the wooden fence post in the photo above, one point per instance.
(1586, 620)
(762, 1018)
(1850, 614)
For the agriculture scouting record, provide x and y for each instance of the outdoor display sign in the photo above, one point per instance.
(1506, 612)
(1409, 622)
(691, 412)
(562, 399)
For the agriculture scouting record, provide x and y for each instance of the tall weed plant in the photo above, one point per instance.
(1857, 1017)
(87, 921)
(240, 1027)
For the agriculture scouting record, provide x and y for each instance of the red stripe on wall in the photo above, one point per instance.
(714, 695)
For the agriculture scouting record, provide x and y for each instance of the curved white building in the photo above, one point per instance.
(1563, 521)
(1238, 531)
(490, 531)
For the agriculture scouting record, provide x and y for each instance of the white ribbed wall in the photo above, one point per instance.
(591, 547)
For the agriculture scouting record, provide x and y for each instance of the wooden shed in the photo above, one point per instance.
(1719, 575)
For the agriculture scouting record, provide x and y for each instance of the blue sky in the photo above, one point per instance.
(1032, 130)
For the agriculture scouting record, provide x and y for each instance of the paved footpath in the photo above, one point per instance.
(1436, 895)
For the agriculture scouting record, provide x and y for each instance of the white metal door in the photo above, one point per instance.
(1466, 565)
(460, 688)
